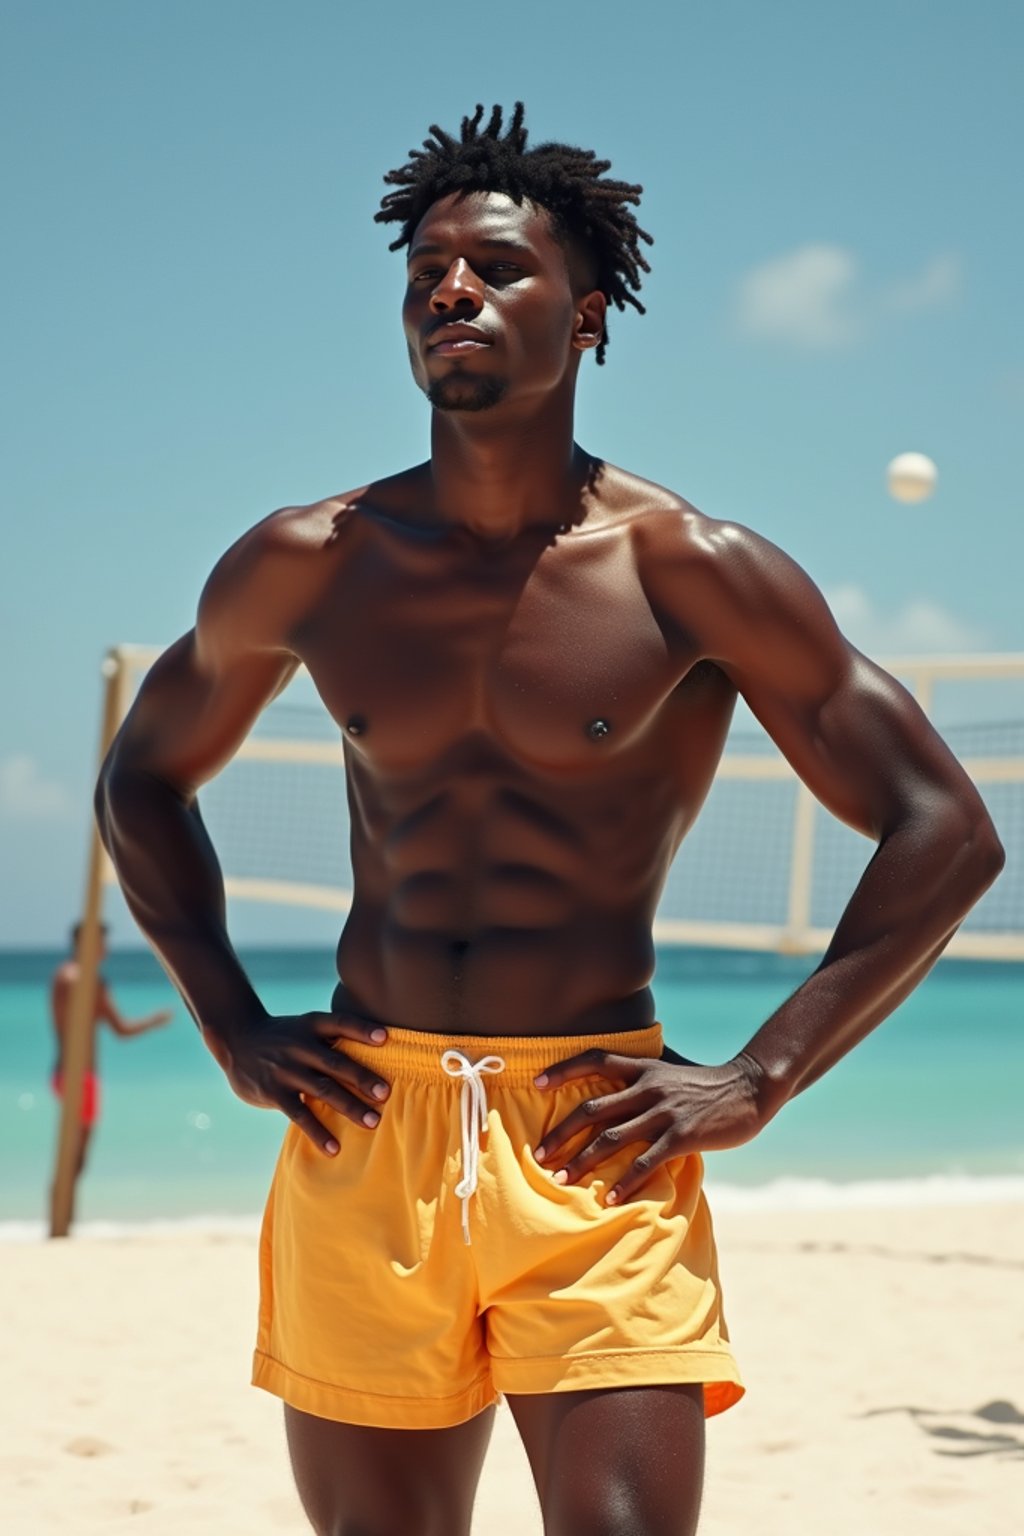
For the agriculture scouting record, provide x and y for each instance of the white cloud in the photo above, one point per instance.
(802, 298)
(25, 793)
(813, 298)
(919, 627)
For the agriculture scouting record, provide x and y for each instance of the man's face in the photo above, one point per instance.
(490, 311)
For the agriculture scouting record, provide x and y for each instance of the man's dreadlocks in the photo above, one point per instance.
(565, 180)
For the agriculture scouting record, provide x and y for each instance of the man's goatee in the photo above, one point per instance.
(461, 393)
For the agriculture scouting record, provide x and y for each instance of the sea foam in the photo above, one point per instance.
(823, 1194)
(778, 1195)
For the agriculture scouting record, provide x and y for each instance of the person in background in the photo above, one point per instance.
(62, 989)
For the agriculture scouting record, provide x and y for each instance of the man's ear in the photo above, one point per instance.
(588, 325)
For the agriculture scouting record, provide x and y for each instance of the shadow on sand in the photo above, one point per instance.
(962, 1439)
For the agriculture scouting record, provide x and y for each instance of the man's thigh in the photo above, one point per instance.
(357, 1481)
(622, 1462)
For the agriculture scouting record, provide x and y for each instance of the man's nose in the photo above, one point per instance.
(460, 284)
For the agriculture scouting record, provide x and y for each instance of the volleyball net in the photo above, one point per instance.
(764, 867)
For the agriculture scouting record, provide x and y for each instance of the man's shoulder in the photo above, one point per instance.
(265, 582)
(278, 549)
(308, 528)
(670, 530)
(698, 569)
(297, 529)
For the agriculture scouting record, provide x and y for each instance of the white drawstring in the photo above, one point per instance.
(473, 1107)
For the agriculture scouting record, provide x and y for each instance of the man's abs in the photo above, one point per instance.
(490, 901)
(588, 976)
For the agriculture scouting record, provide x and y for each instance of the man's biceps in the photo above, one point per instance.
(188, 722)
(235, 664)
(880, 755)
(176, 683)
(169, 702)
(879, 724)
(825, 742)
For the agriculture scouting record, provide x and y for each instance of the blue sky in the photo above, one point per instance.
(201, 318)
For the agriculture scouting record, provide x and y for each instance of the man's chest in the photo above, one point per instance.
(555, 660)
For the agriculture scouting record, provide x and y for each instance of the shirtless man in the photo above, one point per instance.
(106, 1011)
(491, 1182)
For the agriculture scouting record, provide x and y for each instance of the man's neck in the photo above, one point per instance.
(497, 478)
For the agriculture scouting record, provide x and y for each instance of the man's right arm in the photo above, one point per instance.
(192, 712)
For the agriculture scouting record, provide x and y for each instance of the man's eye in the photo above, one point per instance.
(433, 273)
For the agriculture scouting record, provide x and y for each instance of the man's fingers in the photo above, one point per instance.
(611, 1140)
(310, 1126)
(640, 1169)
(593, 1062)
(590, 1113)
(317, 1085)
(343, 1069)
(335, 1026)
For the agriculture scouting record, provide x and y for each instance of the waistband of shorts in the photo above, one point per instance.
(414, 1053)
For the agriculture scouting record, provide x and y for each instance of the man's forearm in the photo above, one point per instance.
(919, 886)
(143, 1026)
(172, 882)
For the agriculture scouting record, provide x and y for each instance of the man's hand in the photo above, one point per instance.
(280, 1061)
(676, 1107)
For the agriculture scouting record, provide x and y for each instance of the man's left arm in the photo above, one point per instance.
(864, 747)
(108, 1012)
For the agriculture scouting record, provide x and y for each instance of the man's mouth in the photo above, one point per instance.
(464, 344)
(451, 337)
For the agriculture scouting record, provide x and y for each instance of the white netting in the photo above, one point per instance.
(278, 816)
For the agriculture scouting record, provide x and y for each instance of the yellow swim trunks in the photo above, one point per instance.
(433, 1263)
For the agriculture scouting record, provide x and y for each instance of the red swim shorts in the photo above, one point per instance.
(90, 1095)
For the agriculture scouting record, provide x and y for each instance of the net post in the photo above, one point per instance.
(923, 690)
(81, 1014)
(794, 940)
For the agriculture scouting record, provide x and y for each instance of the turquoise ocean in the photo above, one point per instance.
(929, 1107)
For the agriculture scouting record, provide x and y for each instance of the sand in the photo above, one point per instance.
(882, 1350)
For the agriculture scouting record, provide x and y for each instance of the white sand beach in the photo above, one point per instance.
(883, 1352)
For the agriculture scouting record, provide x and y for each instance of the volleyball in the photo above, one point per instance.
(911, 477)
